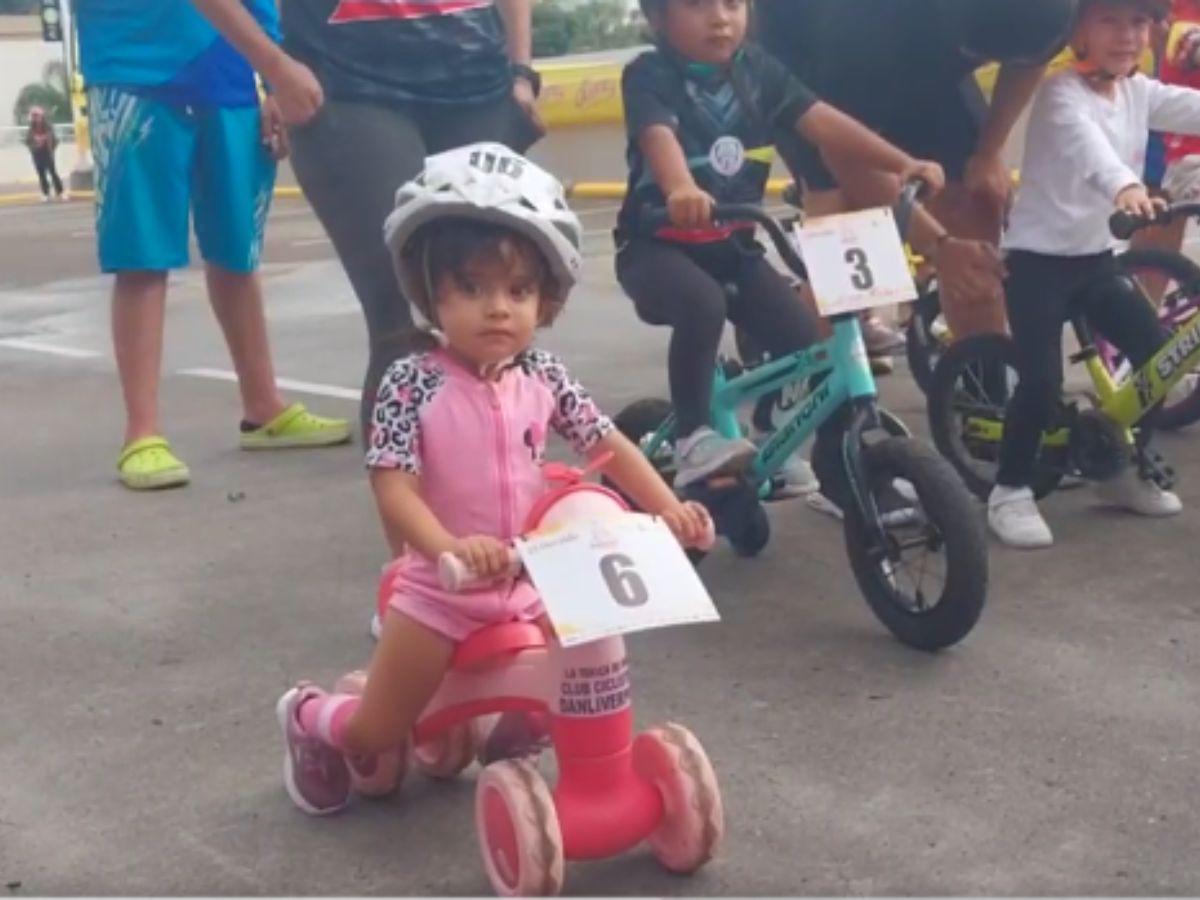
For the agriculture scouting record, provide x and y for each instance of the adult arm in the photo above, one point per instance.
(986, 174)
(296, 89)
(517, 16)
(837, 134)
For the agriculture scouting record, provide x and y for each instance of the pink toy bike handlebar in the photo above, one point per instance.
(456, 576)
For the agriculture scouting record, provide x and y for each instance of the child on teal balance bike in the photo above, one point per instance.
(703, 111)
(915, 543)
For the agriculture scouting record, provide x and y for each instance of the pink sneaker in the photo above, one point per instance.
(372, 776)
(316, 775)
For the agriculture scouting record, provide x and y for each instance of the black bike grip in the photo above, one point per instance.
(1123, 224)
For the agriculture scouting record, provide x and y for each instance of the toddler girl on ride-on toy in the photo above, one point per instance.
(486, 251)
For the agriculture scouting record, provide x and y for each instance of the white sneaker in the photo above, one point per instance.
(880, 339)
(1145, 498)
(704, 452)
(45, 198)
(1014, 518)
(64, 196)
(898, 506)
(795, 477)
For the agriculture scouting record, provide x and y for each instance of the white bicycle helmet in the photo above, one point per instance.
(486, 182)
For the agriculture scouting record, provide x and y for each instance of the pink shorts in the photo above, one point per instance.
(457, 616)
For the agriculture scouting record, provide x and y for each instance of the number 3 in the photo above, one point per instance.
(862, 278)
(625, 585)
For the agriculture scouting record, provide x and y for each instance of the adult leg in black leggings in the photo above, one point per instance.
(350, 160)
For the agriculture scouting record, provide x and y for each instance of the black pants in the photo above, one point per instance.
(683, 286)
(350, 160)
(1043, 292)
(43, 161)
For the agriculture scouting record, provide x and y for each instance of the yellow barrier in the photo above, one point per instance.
(573, 94)
(590, 93)
(581, 94)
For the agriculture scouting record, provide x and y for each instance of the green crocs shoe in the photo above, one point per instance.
(148, 464)
(295, 427)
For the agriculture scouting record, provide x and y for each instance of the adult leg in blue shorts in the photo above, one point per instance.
(156, 163)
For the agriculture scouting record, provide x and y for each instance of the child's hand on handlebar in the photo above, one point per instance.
(689, 207)
(689, 522)
(485, 556)
(931, 173)
(1136, 201)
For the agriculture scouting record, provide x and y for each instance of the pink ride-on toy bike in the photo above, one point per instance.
(614, 790)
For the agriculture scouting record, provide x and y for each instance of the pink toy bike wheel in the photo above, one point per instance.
(389, 768)
(447, 754)
(518, 831)
(693, 820)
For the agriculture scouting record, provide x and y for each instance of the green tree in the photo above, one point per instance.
(602, 25)
(583, 27)
(551, 29)
(51, 94)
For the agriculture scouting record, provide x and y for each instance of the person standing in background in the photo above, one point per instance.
(395, 82)
(906, 69)
(42, 142)
(178, 131)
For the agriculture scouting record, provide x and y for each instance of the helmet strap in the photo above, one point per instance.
(427, 280)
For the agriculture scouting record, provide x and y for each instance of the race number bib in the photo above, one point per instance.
(856, 261)
(613, 576)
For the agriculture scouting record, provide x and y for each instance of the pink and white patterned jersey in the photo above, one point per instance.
(477, 445)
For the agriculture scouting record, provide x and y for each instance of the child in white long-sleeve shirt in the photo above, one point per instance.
(1084, 155)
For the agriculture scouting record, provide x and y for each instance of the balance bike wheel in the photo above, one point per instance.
(972, 385)
(642, 418)
(518, 830)
(1182, 277)
(943, 538)
(693, 821)
(754, 535)
(390, 767)
(447, 754)
(637, 421)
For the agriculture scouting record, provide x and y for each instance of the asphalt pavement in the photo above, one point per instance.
(145, 638)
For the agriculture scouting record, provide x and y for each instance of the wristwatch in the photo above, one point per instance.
(530, 74)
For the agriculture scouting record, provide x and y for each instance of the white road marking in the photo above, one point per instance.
(51, 349)
(287, 384)
(310, 242)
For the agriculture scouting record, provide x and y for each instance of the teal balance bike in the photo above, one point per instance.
(912, 531)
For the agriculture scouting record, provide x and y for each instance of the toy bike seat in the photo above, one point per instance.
(488, 646)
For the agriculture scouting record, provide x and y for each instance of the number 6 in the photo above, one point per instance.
(625, 585)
